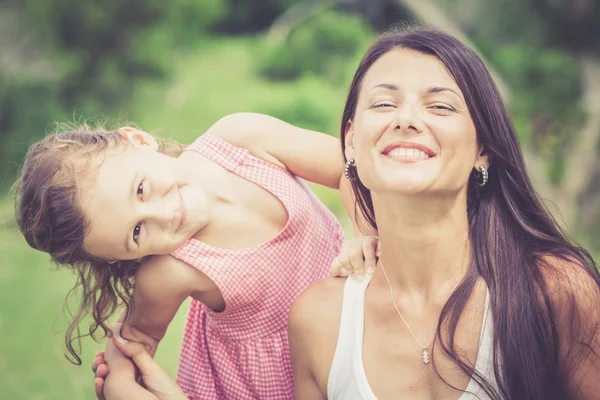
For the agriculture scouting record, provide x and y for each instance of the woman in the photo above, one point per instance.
(479, 294)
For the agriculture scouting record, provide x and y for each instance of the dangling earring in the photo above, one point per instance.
(484, 176)
(349, 175)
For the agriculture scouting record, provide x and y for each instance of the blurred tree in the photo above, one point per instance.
(322, 44)
(245, 16)
(87, 57)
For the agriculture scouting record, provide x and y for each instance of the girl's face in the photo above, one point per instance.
(139, 202)
(412, 132)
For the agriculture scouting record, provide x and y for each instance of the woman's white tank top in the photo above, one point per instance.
(347, 378)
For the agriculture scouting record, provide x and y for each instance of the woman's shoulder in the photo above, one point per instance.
(317, 311)
(572, 293)
(314, 324)
(569, 278)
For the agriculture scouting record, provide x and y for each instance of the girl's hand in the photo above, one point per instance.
(357, 258)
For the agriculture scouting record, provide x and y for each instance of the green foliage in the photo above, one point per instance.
(96, 54)
(321, 45)
(244, 16)
(546, 91)
(572, 26)
(301, 111)
(544, 78)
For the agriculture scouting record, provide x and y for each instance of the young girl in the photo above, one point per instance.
(117, 205)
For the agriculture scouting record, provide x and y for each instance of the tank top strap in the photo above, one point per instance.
(346, 378)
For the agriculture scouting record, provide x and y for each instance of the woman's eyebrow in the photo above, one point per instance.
(439, 89)
(388, 86)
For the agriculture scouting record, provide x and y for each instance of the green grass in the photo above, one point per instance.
(216, 80)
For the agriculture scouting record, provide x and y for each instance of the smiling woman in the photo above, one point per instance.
(479, 294)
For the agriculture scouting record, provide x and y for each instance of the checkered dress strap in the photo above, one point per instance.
(232, 157)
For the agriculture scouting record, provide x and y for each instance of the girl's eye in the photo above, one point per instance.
(140, 191)
(136, 232)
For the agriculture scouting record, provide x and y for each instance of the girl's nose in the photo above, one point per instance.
(160, 213)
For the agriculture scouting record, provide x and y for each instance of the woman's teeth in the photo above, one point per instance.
(404, 152)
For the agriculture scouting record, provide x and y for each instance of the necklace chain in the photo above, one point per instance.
(425, 352)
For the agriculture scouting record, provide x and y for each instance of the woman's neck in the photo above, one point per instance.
(424, 241)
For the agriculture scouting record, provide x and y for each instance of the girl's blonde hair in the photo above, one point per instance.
(49, 215)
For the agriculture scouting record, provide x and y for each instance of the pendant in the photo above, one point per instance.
(425, 356)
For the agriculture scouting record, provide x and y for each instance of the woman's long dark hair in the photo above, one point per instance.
(517, 246)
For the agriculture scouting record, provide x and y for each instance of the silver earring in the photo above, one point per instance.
(484, 176)
(349, 175)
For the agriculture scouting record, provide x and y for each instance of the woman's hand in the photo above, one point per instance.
(157, 384)
(154, 378)
(100, 370)
(357, 258)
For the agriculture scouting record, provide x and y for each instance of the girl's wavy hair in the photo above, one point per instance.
(49, 215)
(512, 237)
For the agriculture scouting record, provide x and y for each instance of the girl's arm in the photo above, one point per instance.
(161, 285)
(311, 155)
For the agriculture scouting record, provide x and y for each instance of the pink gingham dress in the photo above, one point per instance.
(242, 352)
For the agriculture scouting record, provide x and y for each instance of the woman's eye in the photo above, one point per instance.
(381, 105)
(443, 107)
(136, 232)
(140, 191)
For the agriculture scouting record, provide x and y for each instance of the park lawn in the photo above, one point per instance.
(217, 79)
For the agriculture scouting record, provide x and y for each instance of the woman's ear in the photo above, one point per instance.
(349, 140)
(138, 137)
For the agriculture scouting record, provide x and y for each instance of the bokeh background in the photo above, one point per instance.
(174, 67)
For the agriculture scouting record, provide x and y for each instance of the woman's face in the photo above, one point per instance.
(412, 132)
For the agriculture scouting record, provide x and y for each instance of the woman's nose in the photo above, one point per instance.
(407, 118)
